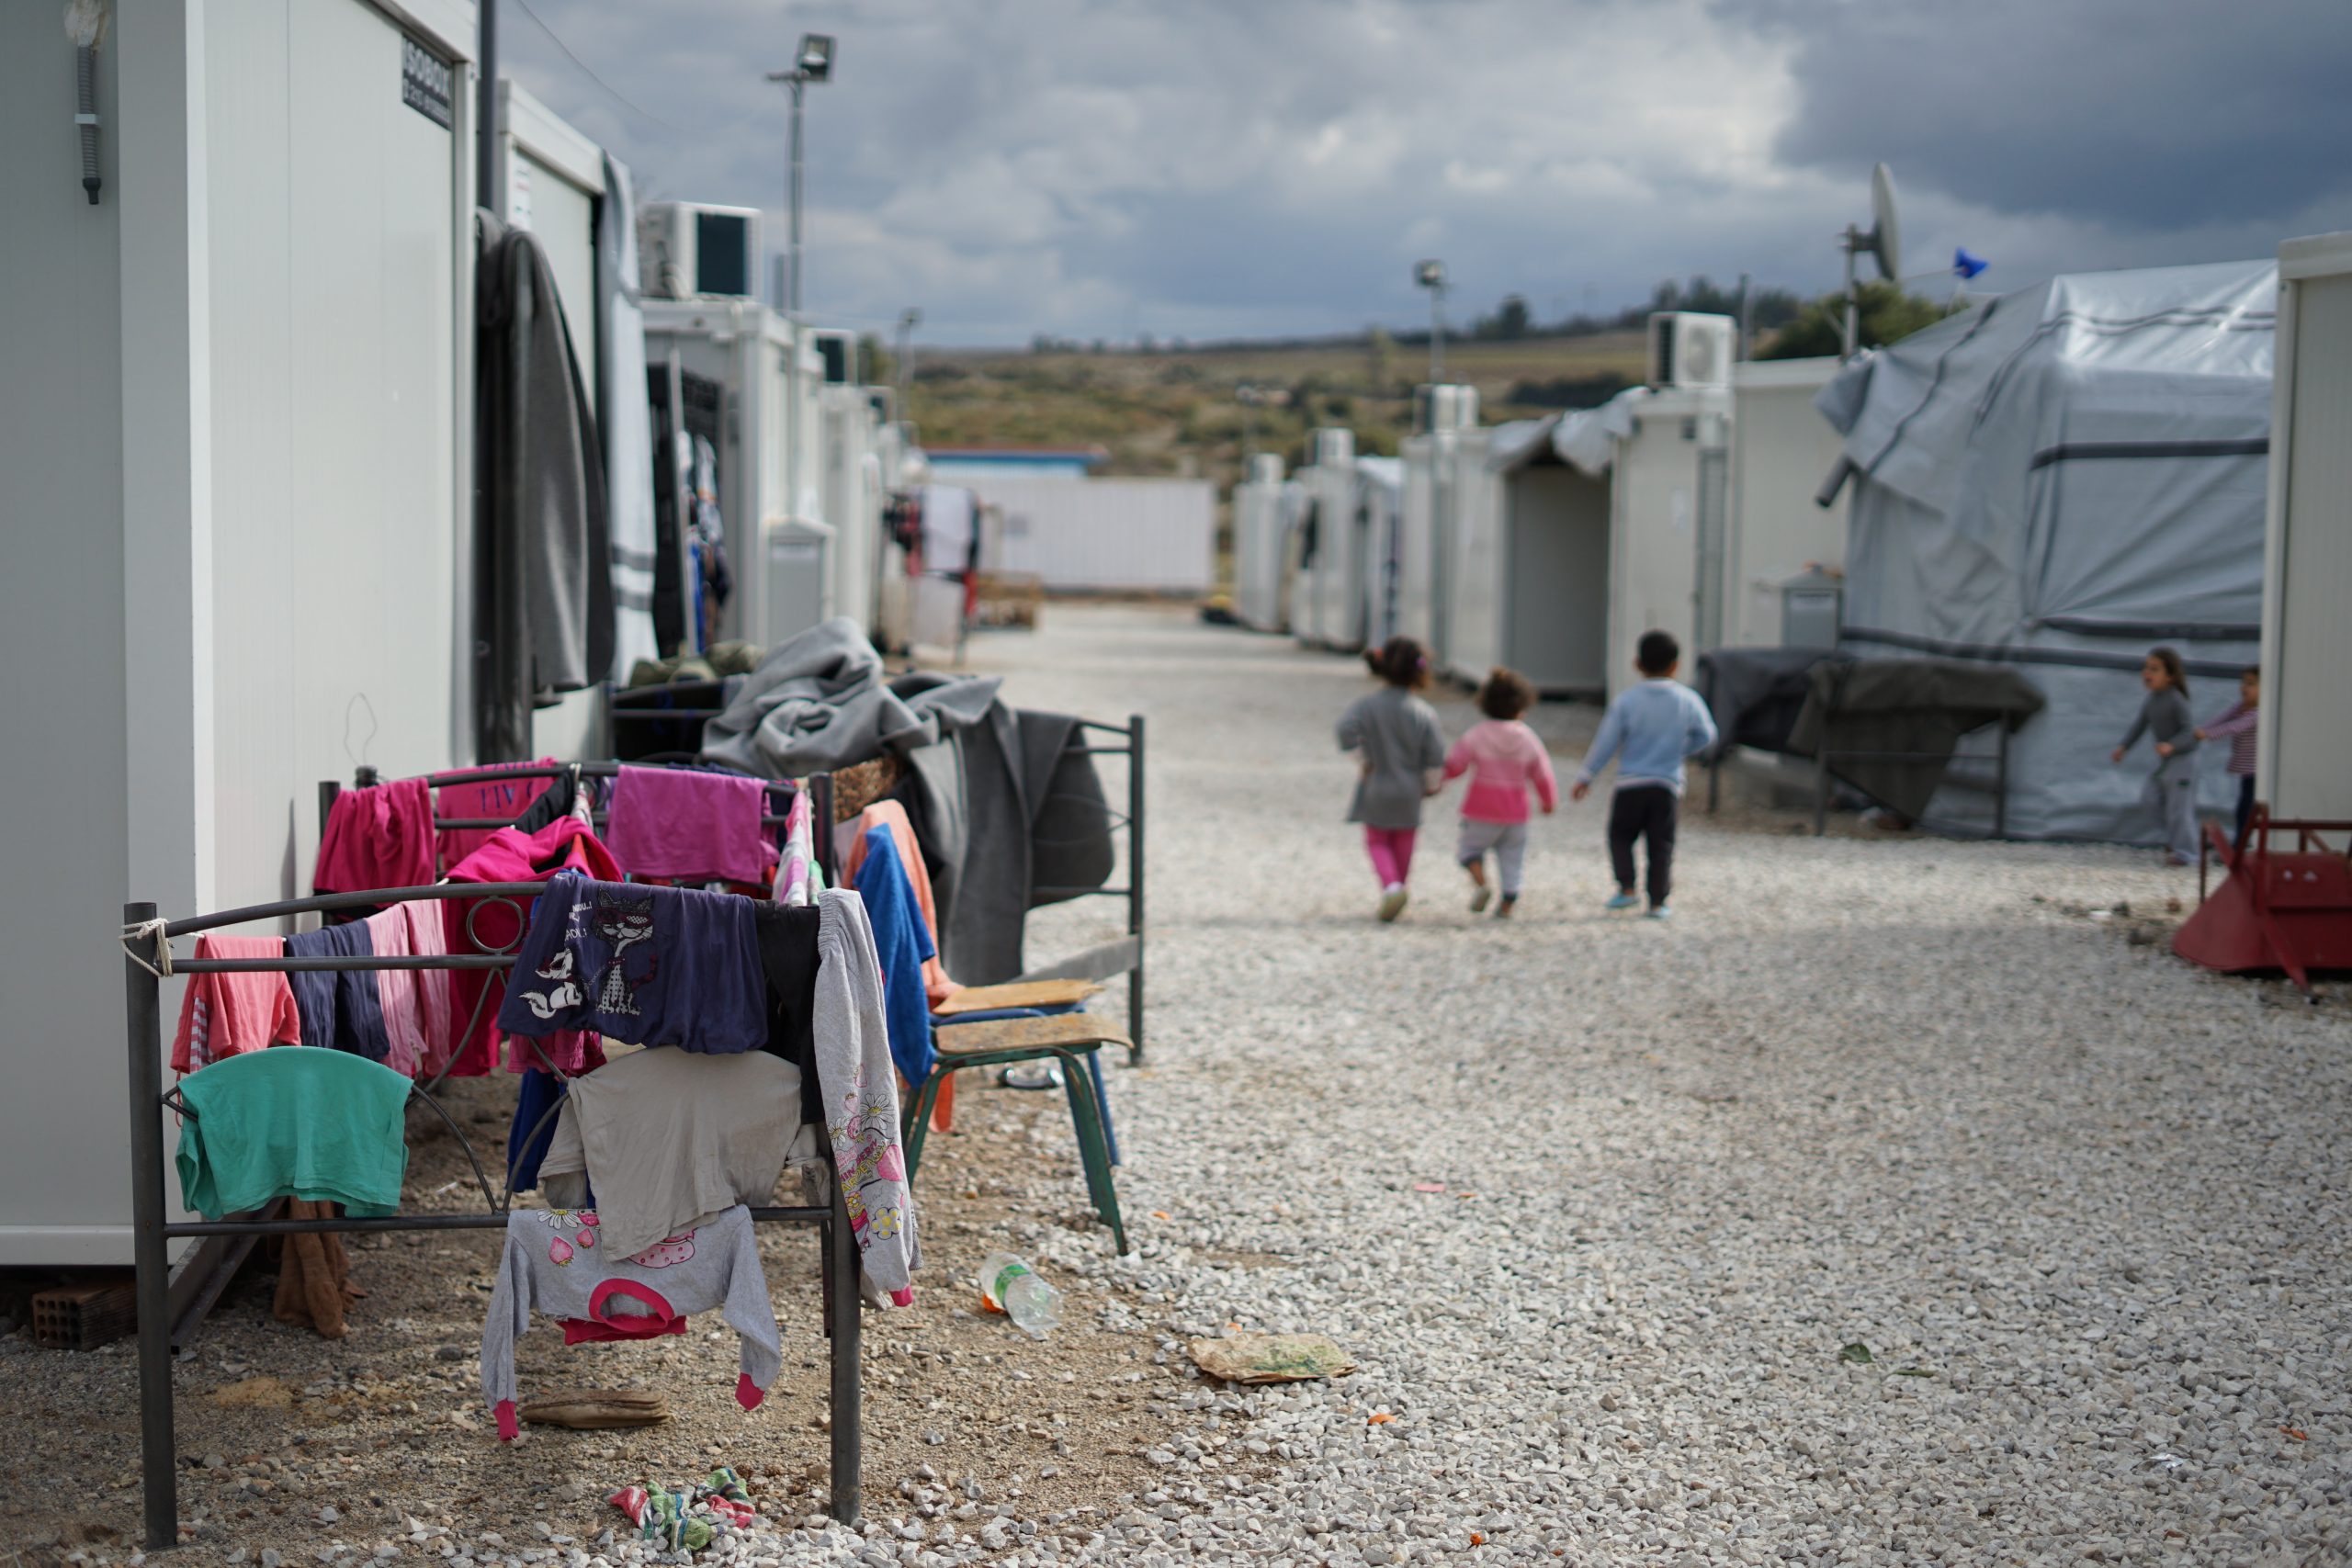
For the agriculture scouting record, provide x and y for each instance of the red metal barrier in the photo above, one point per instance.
(2279, 908)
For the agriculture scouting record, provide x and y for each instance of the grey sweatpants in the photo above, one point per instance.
(2172, 791)
(1507, 839)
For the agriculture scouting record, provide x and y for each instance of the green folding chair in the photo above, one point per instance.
(1069, 1038)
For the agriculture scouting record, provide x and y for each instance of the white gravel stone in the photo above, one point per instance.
(2085, 1206)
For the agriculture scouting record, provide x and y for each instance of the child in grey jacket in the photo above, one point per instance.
(1401, 754)
(2164, 719)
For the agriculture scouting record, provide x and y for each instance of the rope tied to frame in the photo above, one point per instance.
(149, 931)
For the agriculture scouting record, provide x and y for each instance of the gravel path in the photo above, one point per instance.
(2085, 1207)
(1882, 1209)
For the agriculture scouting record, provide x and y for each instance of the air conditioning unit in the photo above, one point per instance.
(1690, 350)
(839, 350)
(1444, 407)
(1334, 449)
(688, 249)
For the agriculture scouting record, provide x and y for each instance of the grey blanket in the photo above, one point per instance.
(1920, 707)
(818, 702)
(543, 613)
(1756, 695)
(1003, 808)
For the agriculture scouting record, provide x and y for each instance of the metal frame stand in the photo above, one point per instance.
(151, 1234)
(1821, 769)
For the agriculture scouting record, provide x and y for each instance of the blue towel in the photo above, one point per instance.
(341, 1009)
(903, 942)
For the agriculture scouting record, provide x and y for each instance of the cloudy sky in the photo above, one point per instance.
(1218, 168)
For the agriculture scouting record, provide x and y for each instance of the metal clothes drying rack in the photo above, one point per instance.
(151, 1233)
(1105, 960)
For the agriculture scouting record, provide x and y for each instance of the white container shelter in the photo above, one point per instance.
(1425, 493)
(234, 502)
(854, 494)
(1330, 606)
(771, 486)
(1263, 504)
(1781, 451)
(1379, 525)
(2306, 766)
(1570, 536)
(1125, 535)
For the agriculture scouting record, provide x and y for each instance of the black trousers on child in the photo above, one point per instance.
(1644, 811)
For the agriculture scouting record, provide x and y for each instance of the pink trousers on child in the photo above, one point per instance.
(1391, 850)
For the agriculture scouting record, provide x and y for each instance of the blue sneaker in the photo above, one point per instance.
(1623, 901)
(1661, 913)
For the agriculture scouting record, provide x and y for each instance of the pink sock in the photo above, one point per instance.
(747, 1393)
(507, 1426)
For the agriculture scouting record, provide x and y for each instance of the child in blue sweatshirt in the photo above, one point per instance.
(1649, 729)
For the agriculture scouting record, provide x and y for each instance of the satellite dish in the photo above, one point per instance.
(1886, 230)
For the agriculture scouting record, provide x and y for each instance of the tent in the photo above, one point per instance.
(2058, 479)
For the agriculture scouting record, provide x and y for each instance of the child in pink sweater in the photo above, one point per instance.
(1504, 760)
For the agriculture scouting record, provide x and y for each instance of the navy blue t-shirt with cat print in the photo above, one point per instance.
(644, 965)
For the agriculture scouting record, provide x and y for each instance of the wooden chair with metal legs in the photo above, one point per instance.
(1070, 1038)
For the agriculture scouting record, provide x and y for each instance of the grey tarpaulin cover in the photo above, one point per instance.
(1756, 695)
(2057, 481)
(818, 702)
(1921, 706)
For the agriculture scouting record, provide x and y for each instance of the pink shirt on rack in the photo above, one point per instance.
(1504, 760)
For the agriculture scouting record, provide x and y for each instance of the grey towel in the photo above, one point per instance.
(818, 702)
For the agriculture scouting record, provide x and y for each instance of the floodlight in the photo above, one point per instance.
(816, 56)
(1430, 274)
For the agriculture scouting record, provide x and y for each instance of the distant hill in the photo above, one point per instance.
(1174, 412)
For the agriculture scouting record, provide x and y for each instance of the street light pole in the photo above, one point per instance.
(1430, 275)
(815, 63)
(799, 84)
(909, 320)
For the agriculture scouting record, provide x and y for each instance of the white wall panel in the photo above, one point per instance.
(1118, 534)
(2306, 768)
(62, 638)
(1781, 451)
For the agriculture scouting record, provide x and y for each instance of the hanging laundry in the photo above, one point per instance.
(226, 1015)
(340, 1009)
(508, 855)
(396, 991)
(559, 1263)
(377, 837)
(690, 825)
(293, 1122)
(849, 842)
(647, 965)
(902, 943)
(667, 1137)
(851, 1046)
(788, 938)
(498, 797)
(796, 874)
(537, 1095)
(543, 611)
(313, 1274)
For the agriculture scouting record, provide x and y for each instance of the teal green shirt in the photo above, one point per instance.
(293, 1121)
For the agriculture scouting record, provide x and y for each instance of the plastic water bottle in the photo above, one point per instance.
(1013, 1288)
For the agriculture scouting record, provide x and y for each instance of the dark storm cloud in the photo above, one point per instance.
(2148, 116)
(1217, 167)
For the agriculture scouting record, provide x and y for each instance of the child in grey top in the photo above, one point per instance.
(1402, 755)
(2164, 719)
(553, 1264)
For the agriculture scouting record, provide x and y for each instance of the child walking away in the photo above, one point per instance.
(1649, 730)
(1504, 760)
(2163, 718)
(2238, 723)
(1396, 736)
